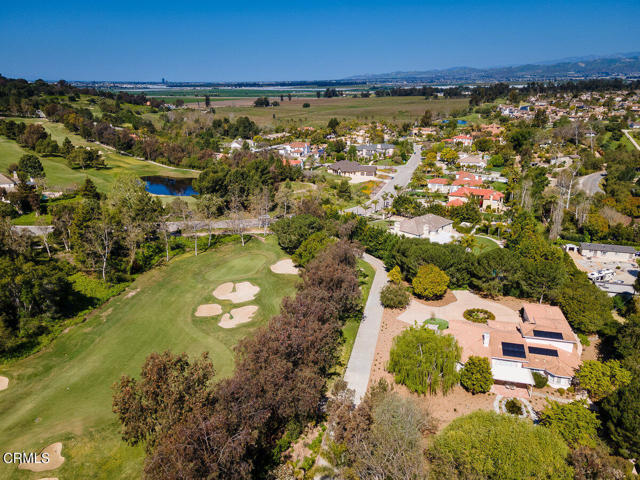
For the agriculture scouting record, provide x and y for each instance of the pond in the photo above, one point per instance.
(159, 185)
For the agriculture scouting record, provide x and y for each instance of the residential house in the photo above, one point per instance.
(542, 341)
(7, 183)
(295, 149)
(423, 131)
(238, 144)
(486, 197)
(380, 149)
(473, 161)
(614, 253)
(353, 169)
(465, 140)
(442, 185)
(435, 228)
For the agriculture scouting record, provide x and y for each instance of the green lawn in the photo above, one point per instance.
(64, 392)
(484, 245)
(59, 175)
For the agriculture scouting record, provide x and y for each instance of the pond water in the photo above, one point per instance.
(159, 185)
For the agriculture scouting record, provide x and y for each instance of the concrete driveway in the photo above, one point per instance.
(590, 184)
(419, 312)
(361, 360)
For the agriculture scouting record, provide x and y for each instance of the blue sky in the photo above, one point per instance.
(232, 41)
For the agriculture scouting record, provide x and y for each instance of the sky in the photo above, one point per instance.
(271, 41)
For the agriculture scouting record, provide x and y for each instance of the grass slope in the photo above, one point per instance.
(59, 175)
(64, 392)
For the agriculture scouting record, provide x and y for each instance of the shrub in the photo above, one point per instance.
(540, 380)
(425, 361)
(573, 421)
(395, 275)
(394, 296)
(601, 379)
(306, 105)
(584, 340)
(430, 282)
(476, 376)
(478, 315)
(8, 210)
(491, 446)
(513, 406)
(561, 391)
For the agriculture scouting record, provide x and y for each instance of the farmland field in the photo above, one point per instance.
(64, 392)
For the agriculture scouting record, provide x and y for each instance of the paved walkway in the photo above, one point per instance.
(361, 360)
(631, 139)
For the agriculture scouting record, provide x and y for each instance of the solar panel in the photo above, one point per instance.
(513, 350)
(545, 334)
(549, 352)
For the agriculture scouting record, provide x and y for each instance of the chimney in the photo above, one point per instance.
(485, 339)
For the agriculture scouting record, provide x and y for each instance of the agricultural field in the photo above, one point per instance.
(63, 394)
(321, 110)
(59, 175)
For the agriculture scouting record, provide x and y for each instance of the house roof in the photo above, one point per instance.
(348, 166)
(485, 193)
(439, 181)
(416, 225)
(456, 202)
(604, 247)
(4, 180)
(546, 322)
(474, 182)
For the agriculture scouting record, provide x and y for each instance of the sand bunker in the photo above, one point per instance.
(208, 310)
(55, 459)
(240, 293)
(285, 266)
(4, 383)
(238, 316)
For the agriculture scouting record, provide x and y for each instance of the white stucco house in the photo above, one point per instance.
(602, 251)
(435, 228)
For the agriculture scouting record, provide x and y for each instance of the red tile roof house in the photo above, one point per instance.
(442, 185)
(541, 342)
(490, 198)
(465, 140)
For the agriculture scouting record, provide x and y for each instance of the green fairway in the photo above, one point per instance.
(64, 392)
(59, 175)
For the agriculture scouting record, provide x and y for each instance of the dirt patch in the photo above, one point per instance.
(208, 310)
(132, 293)
(238, 316)
(448, 298)
(4, 383)
(236, 293)
(444, 408)
(591, 352)
(285, 266)
(56, 459)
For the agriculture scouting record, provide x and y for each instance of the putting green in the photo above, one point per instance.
(64, 392)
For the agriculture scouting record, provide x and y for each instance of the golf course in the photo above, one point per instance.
(63, 393)
(59, 175)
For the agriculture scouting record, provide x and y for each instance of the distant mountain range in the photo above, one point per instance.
(624, 65)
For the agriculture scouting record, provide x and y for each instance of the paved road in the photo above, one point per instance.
(402, 178)
(591, 183)
(361, 360)
(631, 139)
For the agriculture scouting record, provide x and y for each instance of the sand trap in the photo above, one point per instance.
(4, 383)
(285, 266)
(55, 459)
(208, 310)
(240, 293)
(238, 316)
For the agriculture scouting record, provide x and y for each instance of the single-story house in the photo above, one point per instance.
(615, 253)
(434, 227)
(353, 169)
